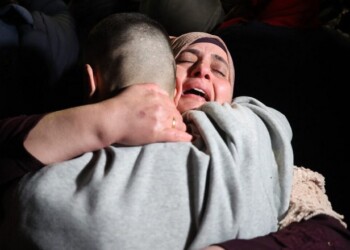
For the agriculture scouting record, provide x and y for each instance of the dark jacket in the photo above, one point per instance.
(38, 47)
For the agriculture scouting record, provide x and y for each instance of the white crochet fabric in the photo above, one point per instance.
(308, 198)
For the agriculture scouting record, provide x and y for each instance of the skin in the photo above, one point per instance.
(204, 67)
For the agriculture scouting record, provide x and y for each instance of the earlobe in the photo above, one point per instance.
(91, 80)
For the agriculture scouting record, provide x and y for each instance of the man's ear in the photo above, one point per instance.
(91, 79)
(177, 92)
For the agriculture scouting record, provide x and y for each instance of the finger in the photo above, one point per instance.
(182, 127)
(174, 135)
(173, 123)
(178, 124)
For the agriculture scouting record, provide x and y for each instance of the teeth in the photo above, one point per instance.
(196, 91)
(199, 90)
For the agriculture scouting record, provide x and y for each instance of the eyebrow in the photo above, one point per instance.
(215, 56)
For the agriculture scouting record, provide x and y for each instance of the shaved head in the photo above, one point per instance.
(130, 48)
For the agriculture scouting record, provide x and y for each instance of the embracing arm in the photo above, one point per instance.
(140, 115)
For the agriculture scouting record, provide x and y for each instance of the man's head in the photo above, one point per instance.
(128, 48)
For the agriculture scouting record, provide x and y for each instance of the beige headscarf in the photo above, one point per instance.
(179, 43)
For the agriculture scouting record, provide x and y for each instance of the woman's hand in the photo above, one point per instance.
(140, 115)
(143, 114)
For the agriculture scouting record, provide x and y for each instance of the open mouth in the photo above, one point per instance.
(198, 92)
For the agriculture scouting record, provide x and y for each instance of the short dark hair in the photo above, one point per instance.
(122, 38)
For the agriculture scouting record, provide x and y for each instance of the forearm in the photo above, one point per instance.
(125, 119)
(65, 134)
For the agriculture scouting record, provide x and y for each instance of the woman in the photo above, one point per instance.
(204, 73)
(201, 61)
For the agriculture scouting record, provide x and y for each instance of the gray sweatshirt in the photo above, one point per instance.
(233, 181)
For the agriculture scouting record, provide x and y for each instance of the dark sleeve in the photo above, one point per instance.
(318, 233)
(52, 34)
(15, 161)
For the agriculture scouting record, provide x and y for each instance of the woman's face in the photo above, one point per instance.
(202, 75)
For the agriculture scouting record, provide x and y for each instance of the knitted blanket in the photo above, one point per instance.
(308, 198)
(233, 181)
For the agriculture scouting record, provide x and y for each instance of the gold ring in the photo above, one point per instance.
(173, 124)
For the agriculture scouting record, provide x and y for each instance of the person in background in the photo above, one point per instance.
(38, 54)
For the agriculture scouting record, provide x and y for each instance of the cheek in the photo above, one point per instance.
(223, 92)
(181, 73)
(180, 76)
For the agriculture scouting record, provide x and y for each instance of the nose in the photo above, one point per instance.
(201, 70)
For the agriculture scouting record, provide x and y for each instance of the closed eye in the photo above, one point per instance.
(186, 57)
(184, 61)
(219, 68)
(220, 73)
